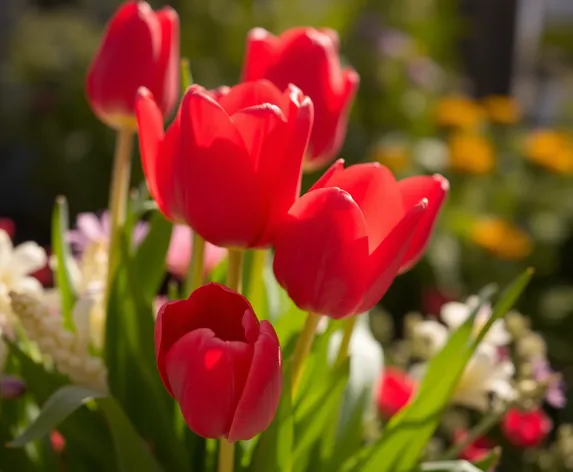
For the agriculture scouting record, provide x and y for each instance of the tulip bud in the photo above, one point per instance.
(526, 429)
(395, 390)
(307, 58)
(220, 364)
(140, 48)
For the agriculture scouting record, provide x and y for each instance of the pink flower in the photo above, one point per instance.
(181, 248)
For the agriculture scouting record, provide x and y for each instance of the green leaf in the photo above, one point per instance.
(186, 76)
(490, 461)
(149, 260)
(310, 426)
(131, 452)
(132, 373)
(410, 430)
(58, 407)
(273, 451)
(61, 250)
(85, 431)
(408, 433)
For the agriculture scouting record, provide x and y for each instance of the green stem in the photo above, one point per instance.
(118, 198)
(302, 348)
(476, 432)
(196, 266)
(343, 350)
(226, 456)
(256, 279)
(235, 269)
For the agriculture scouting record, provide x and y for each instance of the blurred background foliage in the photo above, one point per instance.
(434, 97)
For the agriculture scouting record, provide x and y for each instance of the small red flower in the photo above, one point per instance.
(140, 48)
(395, 390)
(345, 241)
(220, 364)
(526, 429)
(307, 58)
(230, 164)
(57, 441)
(477, 450)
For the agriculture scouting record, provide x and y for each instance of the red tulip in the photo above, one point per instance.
(220, 364)
(8, 225)
(395, 390)
(140, 48)
(307, 58)
(526, 429)
(229, 165)
(344, 242)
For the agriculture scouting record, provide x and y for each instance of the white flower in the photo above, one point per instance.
(486, 374)
(454, 314)
(366, 366)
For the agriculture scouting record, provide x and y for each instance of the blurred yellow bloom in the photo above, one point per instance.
(550, 149)
(458, 112)
(471, 154)
(502, 109)
(394, 155)
(501, 238)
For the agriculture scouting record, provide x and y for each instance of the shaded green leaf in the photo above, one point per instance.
(61, 250)
(58, 407)
(131, 451)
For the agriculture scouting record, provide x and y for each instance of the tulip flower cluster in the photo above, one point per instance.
(229, 166)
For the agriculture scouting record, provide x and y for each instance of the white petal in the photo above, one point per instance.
(27, 258)
(27, 285)
(498, 335)
(454, 314)
(5, 250)
(436, 334)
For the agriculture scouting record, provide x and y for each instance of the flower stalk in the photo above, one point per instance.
(302, 348)
(196, 267)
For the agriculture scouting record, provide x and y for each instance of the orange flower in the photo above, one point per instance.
(393, 155)
(550, 149)
(501, 238)
(471, 154)
(458, 112)
(502, 109)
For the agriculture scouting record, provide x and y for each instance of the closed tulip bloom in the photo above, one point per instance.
(526, 429)
(230, 164)
(345, 241)
(307, 58)
(140, 48)
(220, 364)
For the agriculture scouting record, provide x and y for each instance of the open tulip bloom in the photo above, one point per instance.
(170, 370)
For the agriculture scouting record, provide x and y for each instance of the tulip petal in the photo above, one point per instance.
(177, 318)
(280, 172)
(259, 53)
(413, 189)
(251, 94)
(374, 189)
(321, 252)
(167, 68)
(156, 162)
(207, 377)
(219, 174)
(385, 261)
(324, 180)
(259, 402)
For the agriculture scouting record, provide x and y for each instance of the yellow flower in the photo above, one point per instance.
(502, 109)
(550, 149)
(501, 238)
(458, 112)
(471, 154)
(393, 155)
